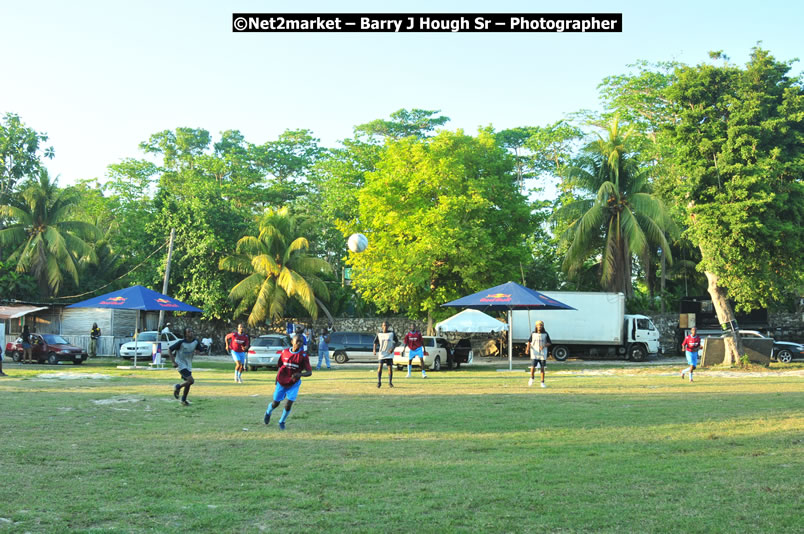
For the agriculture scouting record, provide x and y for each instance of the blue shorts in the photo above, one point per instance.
(289, 393)
(692, 358)
(416, 353)
(535, 362)
(239, 356)
(26, 345)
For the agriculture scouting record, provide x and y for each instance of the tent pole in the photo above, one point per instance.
(510, 340)
(136, 337)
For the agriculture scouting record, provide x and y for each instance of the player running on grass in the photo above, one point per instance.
(690, 347)
(238, 343)
(181, 354)
(293, 365)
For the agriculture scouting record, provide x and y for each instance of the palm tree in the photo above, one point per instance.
(277, 267)
(617, 217)
(45, 241)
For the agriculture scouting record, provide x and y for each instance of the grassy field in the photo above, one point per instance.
(611, 448)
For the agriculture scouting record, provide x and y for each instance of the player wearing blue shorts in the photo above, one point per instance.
(690, 346)
(238, 344)
(414, 342)
(293, 365)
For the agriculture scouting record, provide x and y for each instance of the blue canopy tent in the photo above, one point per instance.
(508, 297)
(136, 298)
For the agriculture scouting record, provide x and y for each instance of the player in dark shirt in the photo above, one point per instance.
(293, 365)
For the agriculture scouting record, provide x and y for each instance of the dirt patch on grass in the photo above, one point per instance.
(118, 400)
(72, 376)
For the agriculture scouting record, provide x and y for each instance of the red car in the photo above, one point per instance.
(50, 348)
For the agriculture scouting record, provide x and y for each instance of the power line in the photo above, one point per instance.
(119, 277)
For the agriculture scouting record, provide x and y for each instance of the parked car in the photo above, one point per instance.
(50, 348)
(783, 351)
(461, 353)
(436, 352)
(351, 347)
(265, 351)
(145, 342)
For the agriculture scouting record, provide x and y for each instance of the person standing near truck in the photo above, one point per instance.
(690, 346)
(537, 346)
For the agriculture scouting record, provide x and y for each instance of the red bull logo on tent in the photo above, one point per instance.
(166, 303)
(114, 300)
(497, 297)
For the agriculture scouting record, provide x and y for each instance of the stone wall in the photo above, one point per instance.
(783, 327)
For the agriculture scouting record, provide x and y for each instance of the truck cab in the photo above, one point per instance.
(642, 337)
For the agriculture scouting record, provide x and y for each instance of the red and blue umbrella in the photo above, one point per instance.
(508, 297)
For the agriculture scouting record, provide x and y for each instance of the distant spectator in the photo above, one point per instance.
(27, 354)
(94, 335)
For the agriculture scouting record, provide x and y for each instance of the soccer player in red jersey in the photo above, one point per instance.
(690, 347)
(293, 365)
(238, 343)
(414, 341)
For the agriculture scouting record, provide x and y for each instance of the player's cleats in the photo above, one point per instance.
(281, 425)
(530, 382)
(544, 385)
(682, 375)
(267, 418)
(379, 384)
(176, 390)
(185, 402)
(390, 385)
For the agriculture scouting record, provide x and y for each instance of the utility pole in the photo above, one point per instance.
(167, 276)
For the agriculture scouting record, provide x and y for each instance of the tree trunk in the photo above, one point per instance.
(430, 330)
(734, 344)
(664, 268)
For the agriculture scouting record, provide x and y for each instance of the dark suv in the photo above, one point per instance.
(351, 347)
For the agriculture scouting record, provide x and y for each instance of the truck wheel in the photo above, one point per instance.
(560, 353)
(340, 357)
(52, 359)
(78, 361)
(636, 353)
(437, 363)
(399, 367)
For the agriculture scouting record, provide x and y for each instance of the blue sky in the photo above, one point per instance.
(99, 77)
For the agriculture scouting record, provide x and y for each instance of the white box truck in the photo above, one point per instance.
(597, 327)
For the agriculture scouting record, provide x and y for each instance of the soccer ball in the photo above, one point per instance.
(357, 242)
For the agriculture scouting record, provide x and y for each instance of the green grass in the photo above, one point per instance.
(475, 450)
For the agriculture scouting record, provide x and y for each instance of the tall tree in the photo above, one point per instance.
(444, 218)
(617, 217)
(739, 152)
(45, 238)
(20, 153)
(277, 268)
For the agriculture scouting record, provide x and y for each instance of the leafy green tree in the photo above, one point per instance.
(419, 123)
(277, 268)
(739, 153)
(444, 217)
(20, 153)
(45, 238)
(618, 217)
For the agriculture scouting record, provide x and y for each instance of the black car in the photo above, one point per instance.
(351, 347)
(461, 352)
